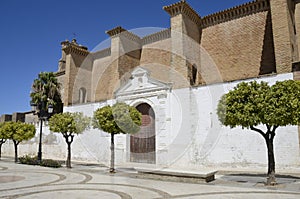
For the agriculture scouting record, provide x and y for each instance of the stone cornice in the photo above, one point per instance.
(164, 34)
(119, 31)
(115, 31)
(236, 12)
(182, 7)
(143, 94)
(60, 73)
(73, 47)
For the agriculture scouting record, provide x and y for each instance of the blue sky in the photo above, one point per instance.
(31, 32)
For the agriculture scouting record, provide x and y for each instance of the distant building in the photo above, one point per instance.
(22, 117)
(5, 118)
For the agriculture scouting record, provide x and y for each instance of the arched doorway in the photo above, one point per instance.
(142, 144)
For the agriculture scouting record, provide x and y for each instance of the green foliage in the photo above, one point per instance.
(82, 122)
(104, 119)
(46, 89)
(28, 159)
(242, 105)
(3, 134)
(18, 131)
(3, 137)
(69, 124)
(120, 118)
(50, 163)
(251, 104)
(283, 104)
(33, 160)
(74, 123)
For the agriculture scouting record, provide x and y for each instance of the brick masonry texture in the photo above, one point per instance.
(237, 46)
(297, 28)
(257, 38)
(281, 32)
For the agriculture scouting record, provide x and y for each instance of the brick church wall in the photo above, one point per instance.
(241, 48)
(243, 42)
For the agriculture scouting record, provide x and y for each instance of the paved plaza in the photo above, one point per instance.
(94, 181)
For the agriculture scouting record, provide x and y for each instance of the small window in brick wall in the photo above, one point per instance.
(82, 95)
(193, 75)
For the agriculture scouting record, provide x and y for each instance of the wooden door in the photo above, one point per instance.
(142, 144)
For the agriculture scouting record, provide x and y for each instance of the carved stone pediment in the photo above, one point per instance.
(141, 84)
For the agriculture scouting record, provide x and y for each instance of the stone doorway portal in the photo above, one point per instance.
(142, 144)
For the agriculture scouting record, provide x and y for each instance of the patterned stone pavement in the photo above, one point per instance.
(94, 181)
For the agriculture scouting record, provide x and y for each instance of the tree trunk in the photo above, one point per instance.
(0, 149)
(271, 180)
(16, 150)
(68, 163)
(112, 154)
(269, 137)
(2, 141)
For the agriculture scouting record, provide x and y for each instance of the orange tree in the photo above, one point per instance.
(3, 137)
(69, 125)
(116, 119)
(252, 104)
(17, 132)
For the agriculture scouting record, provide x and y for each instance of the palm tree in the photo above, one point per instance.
(45, 91)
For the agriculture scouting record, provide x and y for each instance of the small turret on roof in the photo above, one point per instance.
(182, 7)
(74, 47)
(117, 31)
